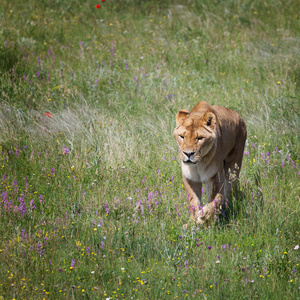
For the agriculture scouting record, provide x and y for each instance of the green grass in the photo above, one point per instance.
(92, 202)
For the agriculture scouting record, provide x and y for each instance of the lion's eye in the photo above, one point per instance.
(200, 138)
(182, 137)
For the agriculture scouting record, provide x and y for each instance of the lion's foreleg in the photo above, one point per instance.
(215, 194)
(215, 186)
(194, 195)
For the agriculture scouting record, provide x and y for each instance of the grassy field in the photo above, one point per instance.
(92, 202)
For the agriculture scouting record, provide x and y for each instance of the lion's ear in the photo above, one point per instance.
(181, 116)
(209, 120)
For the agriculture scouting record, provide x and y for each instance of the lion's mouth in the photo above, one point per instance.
(189, 162)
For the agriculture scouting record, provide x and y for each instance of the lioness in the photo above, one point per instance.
(211, 141)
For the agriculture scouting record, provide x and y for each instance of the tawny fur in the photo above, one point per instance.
(211, 141)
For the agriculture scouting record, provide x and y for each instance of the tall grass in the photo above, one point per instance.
(92, 201)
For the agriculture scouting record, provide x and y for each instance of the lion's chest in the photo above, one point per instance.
(198, 172)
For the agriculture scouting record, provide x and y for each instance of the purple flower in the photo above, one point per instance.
(102, 245)
(31, 204)
(180, 236)
(209, 247)
(60, 270)
(73, 263)
(65, 150)
(225, 246)
(247, 153)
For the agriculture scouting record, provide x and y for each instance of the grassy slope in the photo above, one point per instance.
(99, 182)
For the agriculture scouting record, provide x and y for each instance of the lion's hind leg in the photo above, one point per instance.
(232, 168)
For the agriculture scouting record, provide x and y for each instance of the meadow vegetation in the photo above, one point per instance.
(92, 202)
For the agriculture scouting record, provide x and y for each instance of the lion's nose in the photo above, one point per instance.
(188, 154)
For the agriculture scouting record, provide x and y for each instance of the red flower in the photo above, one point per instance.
(48, 114)
(98, 6)
(102, 0)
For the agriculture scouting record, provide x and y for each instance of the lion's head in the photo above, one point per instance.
(195, 134)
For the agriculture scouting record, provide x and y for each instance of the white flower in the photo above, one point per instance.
(296, 247)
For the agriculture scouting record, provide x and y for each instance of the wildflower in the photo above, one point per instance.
(225, 246)
(209, 247)
(296, 247)
(72, 264)
(31, 204)
(102, 245)
(48, 114)
(186, 264)
(98, 6)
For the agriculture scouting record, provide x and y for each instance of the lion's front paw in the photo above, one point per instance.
(210, 211)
